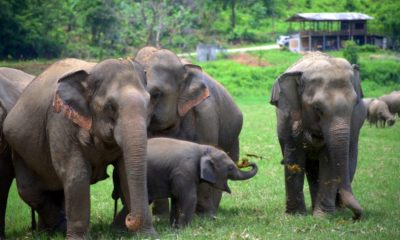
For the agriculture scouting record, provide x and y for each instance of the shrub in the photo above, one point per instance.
(350, 52)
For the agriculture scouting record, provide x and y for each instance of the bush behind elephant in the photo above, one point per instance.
(71, 122)
(12, 83)
(319, 116)
(175, 168)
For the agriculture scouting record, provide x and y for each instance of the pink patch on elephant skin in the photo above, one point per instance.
(70, 113)
(192, 103)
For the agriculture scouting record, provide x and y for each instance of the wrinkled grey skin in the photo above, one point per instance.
(12, 83)
(69, 124)
(190, 105)
(175, 168)
(378, 112)
(393, 101)
(319, 116)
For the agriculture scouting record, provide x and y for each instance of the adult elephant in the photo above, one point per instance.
(12, 83)
(393, 101)
(319, 116)
(104, 121)
(378, 112)
(190, 105)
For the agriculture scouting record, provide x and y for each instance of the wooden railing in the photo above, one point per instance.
(332, 33)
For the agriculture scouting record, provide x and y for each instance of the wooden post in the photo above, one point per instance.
(309, 41)
(338, 42)
(323, 42)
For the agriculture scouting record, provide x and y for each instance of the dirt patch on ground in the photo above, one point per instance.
(249, 60)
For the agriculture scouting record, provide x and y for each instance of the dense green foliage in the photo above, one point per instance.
(350, 52)
(380, 72)
(103, 28)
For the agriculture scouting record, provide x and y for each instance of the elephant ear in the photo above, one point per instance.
(193, 91)
(71, 97)
(357, 82)
(207, 172)
(286, 93)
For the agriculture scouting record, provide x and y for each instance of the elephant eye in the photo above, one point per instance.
(155, 94)
(318, 111)
(230, 168)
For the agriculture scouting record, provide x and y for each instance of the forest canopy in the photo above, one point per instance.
(102, 28)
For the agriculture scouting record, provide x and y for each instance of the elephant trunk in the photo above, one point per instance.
(244, 175)
(339, 147)
(131, 135)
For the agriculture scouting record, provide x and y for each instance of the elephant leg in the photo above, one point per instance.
(161, 207)
(294, 182)
(234, 152)
(327, 188)
(77, 197)
(119, 220)
(186, 208)
(174, 214)
(312, 168)
(6, 178)
(208, 199)
(51, 215)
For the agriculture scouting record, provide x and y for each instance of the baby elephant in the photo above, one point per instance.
(175, 169)
(378, 112)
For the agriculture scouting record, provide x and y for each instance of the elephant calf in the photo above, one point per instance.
(175, 168)
(378, 112)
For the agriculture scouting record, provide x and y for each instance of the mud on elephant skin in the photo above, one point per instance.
(69, 124)
(12, 83)
(175, 168)
(190, 105)
(378, 112)
(319, 116)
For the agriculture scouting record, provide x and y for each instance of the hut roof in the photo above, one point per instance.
(344, 16)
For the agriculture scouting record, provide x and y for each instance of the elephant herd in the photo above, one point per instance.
(383, 110)
(171, 131)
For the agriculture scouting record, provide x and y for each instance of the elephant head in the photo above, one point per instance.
(318, 95)
(109, 100)
(216, 167)
(174, 87)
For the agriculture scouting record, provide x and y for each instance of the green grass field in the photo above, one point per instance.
(255, 209)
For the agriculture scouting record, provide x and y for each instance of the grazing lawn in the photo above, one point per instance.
(255, 209)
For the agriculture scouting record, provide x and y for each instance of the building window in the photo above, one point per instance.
(359, 26)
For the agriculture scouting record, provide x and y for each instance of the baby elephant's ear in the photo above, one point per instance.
(71, 96)
(207, 172)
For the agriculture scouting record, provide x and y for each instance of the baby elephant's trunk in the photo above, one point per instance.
(244, 175)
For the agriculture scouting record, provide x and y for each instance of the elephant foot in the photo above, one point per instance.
(296, 211)
(322, 213)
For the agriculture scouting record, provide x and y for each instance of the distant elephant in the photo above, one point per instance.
(104, 121)
(175, 168)
(378, 112)
(12, 83)
(319, 116)
(393, 101)
(189, 105)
